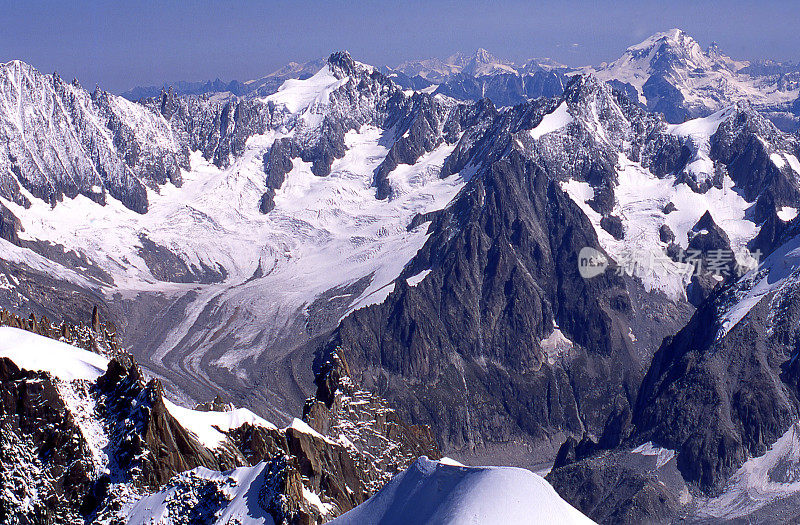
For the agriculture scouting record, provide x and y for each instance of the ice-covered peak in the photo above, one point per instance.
(673, 74)
(672, 37)
(457, 59)
(18, 65)
(541, 64)
(673, 49)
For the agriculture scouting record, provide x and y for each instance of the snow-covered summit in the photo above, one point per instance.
(673, 74)
(435, 492)
(483, 62)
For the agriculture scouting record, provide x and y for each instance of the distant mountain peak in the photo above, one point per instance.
(672, 37)
(483, 62)
(482, 55)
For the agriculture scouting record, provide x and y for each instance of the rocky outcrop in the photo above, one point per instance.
(99, 336)
(357, 444)
(367, 423)
(150, 440)
(277, 164)
(42, 452)
(618, 487)
(218, 129)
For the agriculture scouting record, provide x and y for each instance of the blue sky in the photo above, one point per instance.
(122, 44)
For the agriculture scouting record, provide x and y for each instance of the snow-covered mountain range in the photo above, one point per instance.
(668, 72)
(672, 74)
(409, 259)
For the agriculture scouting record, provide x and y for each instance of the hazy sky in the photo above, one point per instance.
(122, 44)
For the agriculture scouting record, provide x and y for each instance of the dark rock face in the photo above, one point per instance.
(700, 288)
(9, 225)
(217, 129)
(169, 267)
(709, 251)
(719, 399)
(277, 163)
(616, 488)
(504, 265)
(420, 124)
(669, 155)
(774, 233)
(613, 225)
(417, 122)
(665, 234)
(706, 236)
(665, 98)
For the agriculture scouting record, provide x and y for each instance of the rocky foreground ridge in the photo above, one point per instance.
(83, 450)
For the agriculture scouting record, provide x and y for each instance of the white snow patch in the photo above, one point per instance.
(760, 481)
(82, 407)
(641, 197)
(209, 427)
(555, 345)
(793, 162)
(418, 278)
(450, 461)
(35, 352)
(314, 499)
(777, 159)
(787, 213)
(551, 122)
(301, 426)
(296, 94)
(696, 134)
(664, 455)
